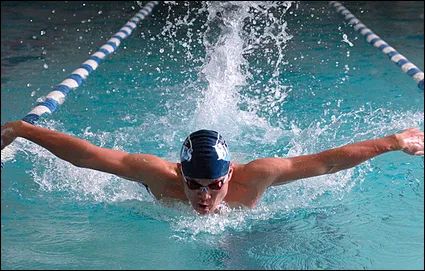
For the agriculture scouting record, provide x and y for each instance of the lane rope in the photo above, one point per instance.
(57, 96)
(405, 65)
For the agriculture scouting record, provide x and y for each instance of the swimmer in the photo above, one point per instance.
(206, 176)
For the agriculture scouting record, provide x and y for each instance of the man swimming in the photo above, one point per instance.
(205, 176)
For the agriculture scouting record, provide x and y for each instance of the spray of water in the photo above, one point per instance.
(233, 33)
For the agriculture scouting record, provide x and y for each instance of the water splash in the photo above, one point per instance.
(233, 32)
(227, 68)
(8, 154)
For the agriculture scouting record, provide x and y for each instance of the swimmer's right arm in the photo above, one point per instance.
(82, 153)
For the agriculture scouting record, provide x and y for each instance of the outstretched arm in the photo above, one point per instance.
(276, 171)
(81, 153)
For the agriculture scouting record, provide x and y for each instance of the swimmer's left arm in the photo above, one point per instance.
(279, 171)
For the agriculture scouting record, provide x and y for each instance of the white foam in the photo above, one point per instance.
(8, 153)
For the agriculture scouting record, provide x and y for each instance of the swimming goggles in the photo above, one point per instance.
(194, 185)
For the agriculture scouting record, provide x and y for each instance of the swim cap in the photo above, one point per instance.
(204, 155)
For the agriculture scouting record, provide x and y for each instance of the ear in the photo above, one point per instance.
(179, 172)
(179, 167)
(230, 170)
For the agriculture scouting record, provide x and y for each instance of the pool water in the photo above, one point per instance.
(276, 79)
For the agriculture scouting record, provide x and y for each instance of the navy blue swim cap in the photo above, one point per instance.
(204, 155)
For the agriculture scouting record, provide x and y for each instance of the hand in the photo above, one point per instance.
(411, 141)
(8, 134)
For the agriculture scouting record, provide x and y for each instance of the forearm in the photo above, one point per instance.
(353, 154)
(66, 147)
(410, 141)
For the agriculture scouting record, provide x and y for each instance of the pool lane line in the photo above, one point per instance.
(57, 96)
(401, 61)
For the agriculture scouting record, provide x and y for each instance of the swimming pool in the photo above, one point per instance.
(281, 81)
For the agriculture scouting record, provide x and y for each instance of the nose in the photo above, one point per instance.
(203, 193)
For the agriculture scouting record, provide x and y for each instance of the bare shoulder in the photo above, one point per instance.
(155, 165)
(141, 160)
(159, 174)
(249, 182)
(263, 169)
(257, 174)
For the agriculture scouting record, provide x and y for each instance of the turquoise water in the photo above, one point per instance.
(277, 82)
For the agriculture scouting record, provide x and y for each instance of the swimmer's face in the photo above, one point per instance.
(205, 195)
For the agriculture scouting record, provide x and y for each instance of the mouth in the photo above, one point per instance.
(203, 208)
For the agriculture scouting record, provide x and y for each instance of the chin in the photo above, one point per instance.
(204, 211)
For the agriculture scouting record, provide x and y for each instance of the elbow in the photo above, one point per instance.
(332, 169)
(81, 163)
(77, 163)
(84, 159)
